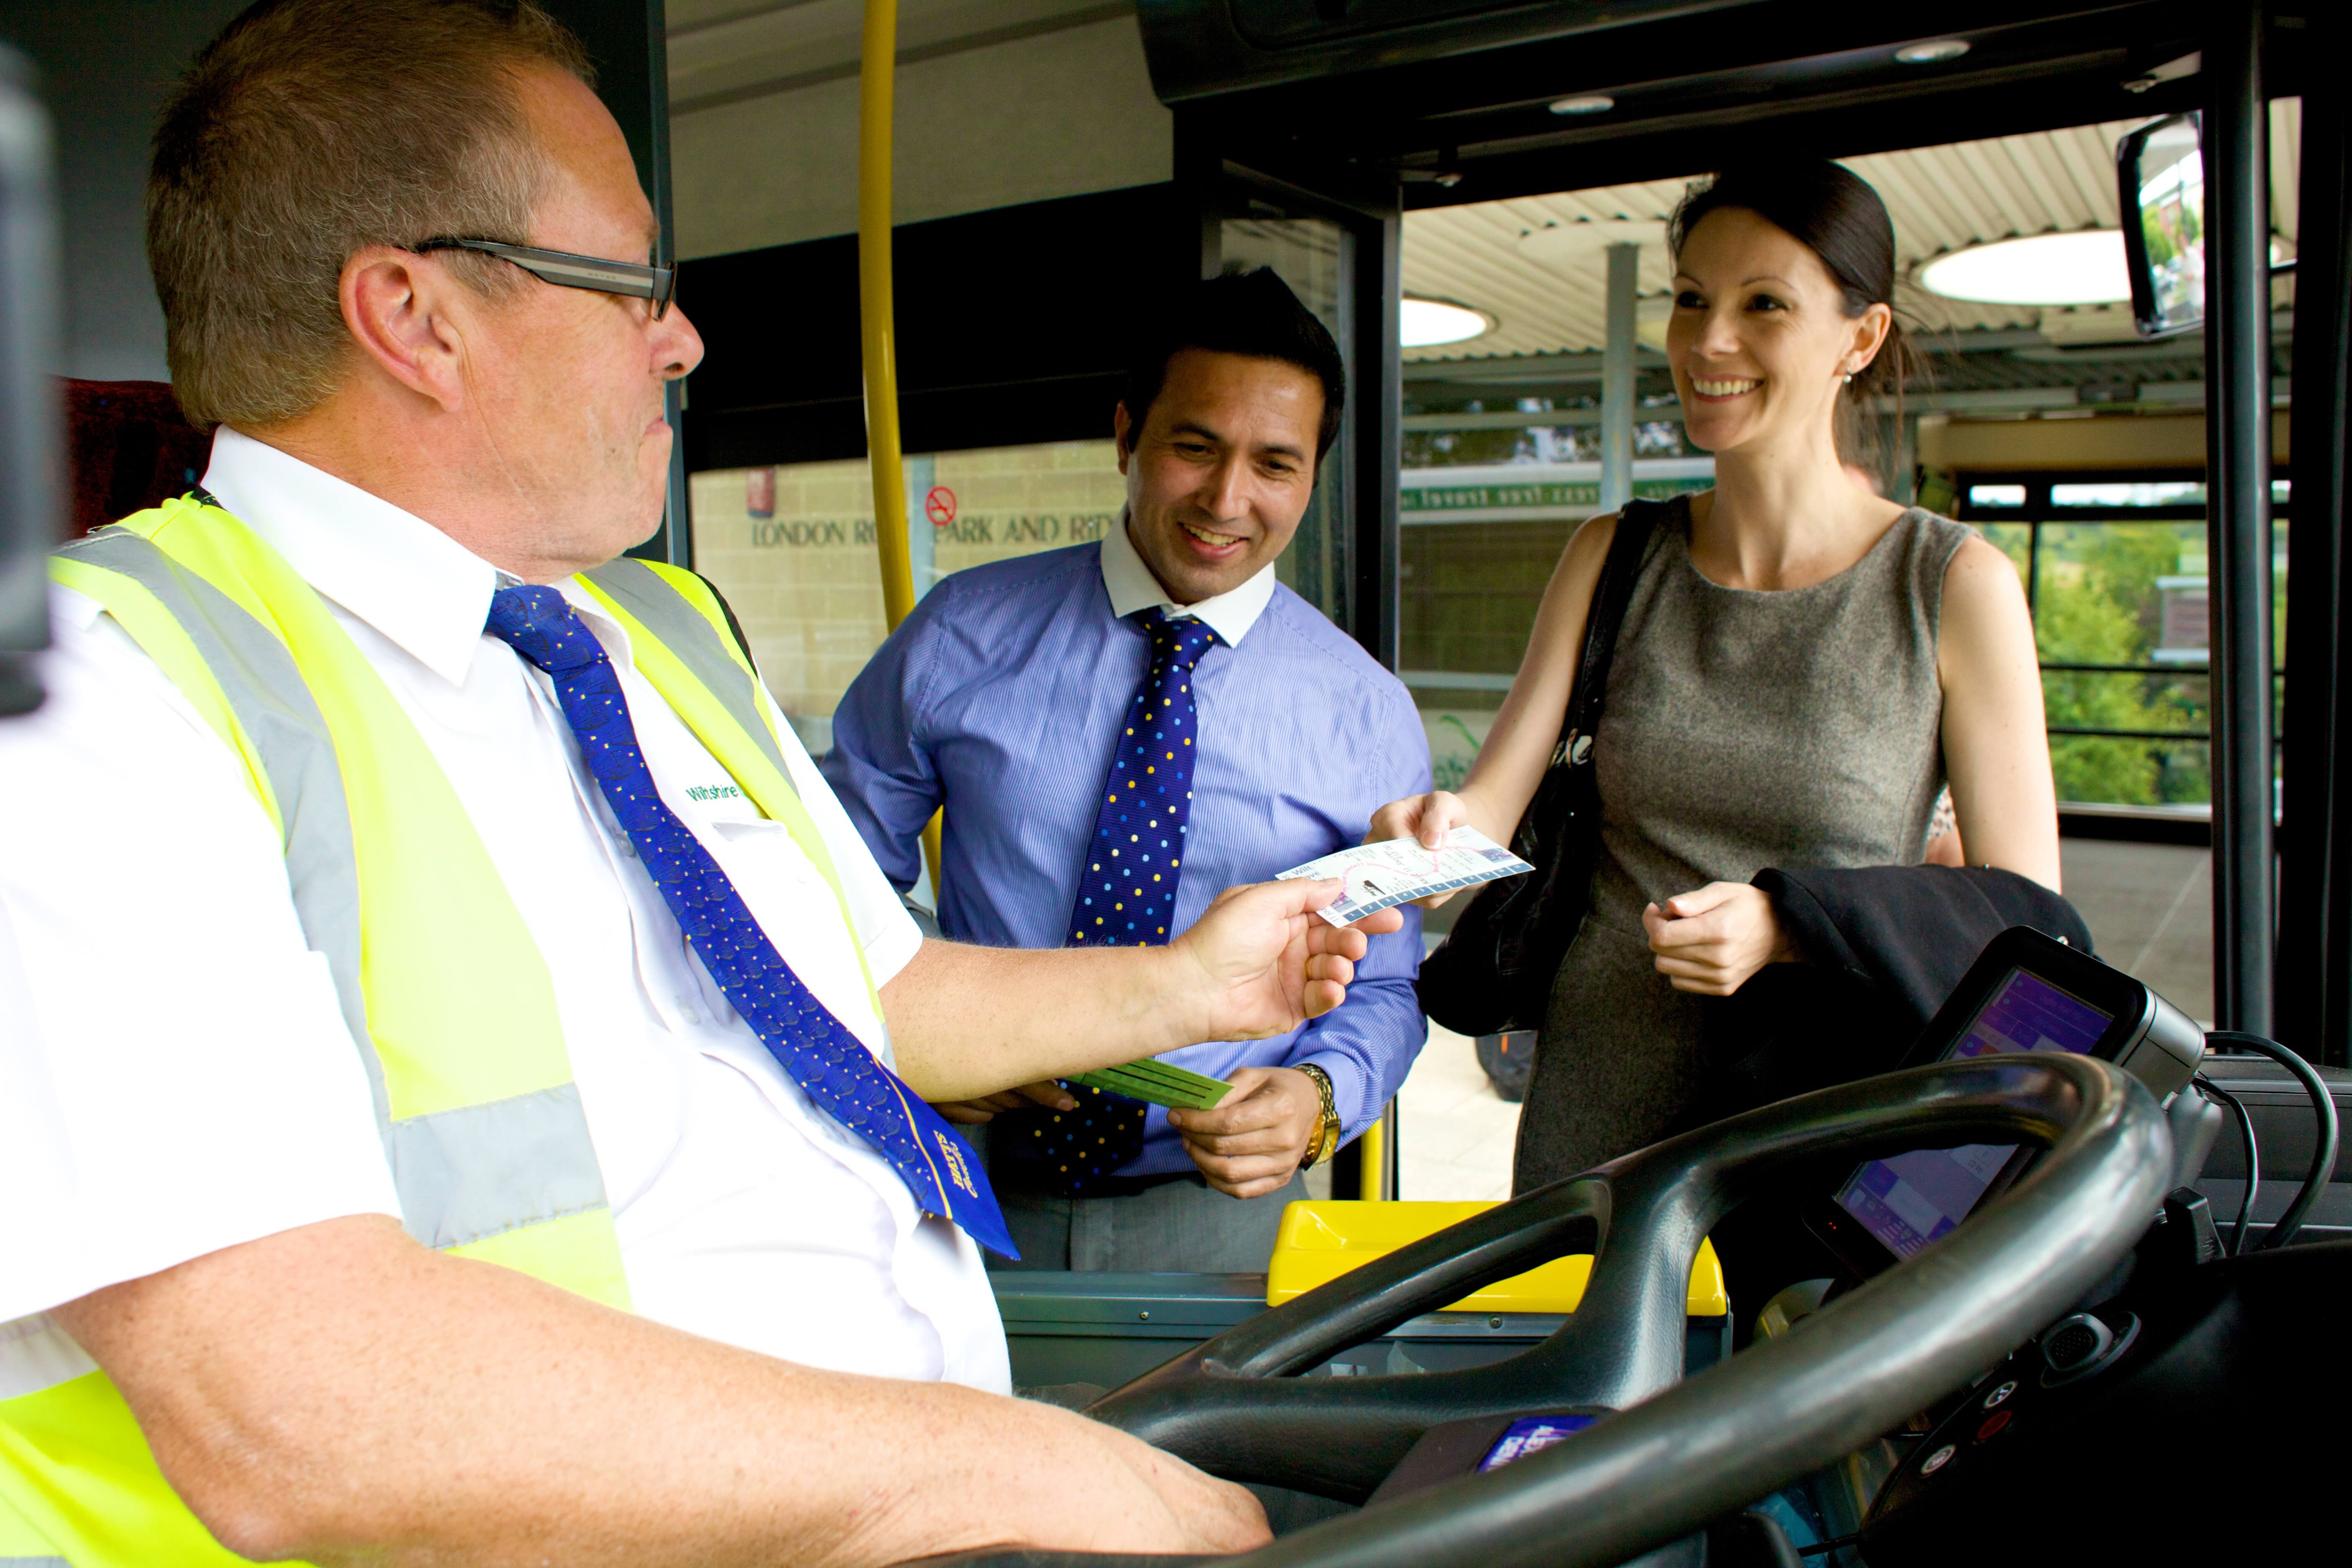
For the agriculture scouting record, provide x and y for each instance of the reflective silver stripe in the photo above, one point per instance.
(462, 1174)
(34, 1562)
(482, 1170)
(271, 700)
(683, 631)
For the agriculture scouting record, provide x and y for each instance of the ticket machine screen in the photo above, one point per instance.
(1913, 1199)
(1531, 1435)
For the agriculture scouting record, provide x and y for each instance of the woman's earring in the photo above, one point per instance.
(1847, 380)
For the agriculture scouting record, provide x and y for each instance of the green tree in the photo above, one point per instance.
(2099, 605)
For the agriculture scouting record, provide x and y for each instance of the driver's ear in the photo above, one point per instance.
(403, 315)
(1123, 433)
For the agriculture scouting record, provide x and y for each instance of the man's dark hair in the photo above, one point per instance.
(1249, 313)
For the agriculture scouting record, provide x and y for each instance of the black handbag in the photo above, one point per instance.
(1494, 971)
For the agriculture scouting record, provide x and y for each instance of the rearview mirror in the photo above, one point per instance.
(2161, 177)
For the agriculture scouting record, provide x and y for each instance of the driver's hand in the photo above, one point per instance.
(1263, 963)
(1251, 1142)
(1203, 1513)
(988, 1107)
(1115, 1493)
(1713, 941)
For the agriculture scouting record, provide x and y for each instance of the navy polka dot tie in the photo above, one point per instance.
(1127, 891)
(808, 1042)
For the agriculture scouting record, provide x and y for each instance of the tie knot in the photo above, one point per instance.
(1183, 638)
(539, 625)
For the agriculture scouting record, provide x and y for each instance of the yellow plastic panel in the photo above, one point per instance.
(1320, 1241)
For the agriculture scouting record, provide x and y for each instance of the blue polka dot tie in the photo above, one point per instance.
(1127, 891)
(811, 1046)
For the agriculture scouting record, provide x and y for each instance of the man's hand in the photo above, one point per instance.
(1254, 1140)
(1048, 1094)
(1265, 962)
(1711, 942)
(967, 1022)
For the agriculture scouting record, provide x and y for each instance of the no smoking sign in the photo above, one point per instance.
(939, 506)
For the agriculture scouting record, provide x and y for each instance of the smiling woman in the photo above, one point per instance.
(1801, 668)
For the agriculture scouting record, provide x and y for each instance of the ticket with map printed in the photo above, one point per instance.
(1399, 871)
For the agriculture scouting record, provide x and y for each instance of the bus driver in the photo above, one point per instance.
(446, 894)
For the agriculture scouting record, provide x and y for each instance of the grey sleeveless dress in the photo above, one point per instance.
(1743, 729)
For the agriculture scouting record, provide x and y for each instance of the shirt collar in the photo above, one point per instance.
(420, 588)
(1133, 587)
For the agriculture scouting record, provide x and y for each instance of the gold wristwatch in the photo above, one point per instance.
(1326, 1140)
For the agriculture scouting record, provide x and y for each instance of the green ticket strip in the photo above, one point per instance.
(1157, 1083)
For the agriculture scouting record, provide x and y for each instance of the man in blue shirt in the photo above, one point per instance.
(1050, 704)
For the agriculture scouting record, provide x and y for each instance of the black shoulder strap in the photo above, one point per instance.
(736, 627)
(1636, 521)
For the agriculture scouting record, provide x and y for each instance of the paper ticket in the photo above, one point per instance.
(1160, 1083)
(1398, 870)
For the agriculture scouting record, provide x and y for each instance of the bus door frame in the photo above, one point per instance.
(2236, 147)
(1371, 212)
(1219, 182)
(2314, 960)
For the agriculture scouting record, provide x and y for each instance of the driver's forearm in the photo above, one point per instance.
(967, 1021)
(338, 1393)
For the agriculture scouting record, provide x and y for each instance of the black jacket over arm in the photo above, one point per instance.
(1883, 946)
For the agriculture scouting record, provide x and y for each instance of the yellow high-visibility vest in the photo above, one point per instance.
(445, 993)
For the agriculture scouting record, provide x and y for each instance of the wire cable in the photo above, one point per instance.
(2323, 1111)
(1820, 1548)
(2253, 1156)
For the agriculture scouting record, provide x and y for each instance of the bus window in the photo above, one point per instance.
(792, 546)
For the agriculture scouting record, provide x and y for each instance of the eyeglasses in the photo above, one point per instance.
(565, 270)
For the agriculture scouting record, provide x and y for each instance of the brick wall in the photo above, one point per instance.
(1469, 592)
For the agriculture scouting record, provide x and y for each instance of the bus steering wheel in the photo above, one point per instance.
(1678, 1454)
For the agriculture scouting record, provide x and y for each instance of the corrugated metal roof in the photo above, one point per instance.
(1490, 254)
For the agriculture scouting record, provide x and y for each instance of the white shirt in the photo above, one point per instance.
(1133, 587)
(176, 1076)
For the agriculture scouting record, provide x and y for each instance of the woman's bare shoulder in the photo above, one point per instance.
(1980, 575)
(1591, 539)
(1983, 617)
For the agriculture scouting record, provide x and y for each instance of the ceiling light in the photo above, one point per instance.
(1932, 51)
(1591, 103)
(1426, 324)
(2085, 268)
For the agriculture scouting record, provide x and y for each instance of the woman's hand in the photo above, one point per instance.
(1712, 941)
(1426, 818)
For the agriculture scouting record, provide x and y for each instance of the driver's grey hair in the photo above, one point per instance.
(308, 130)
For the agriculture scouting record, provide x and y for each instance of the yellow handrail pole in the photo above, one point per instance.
(877, 332)
(1369, 1161)
(1373, 1157)
(876, 315)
